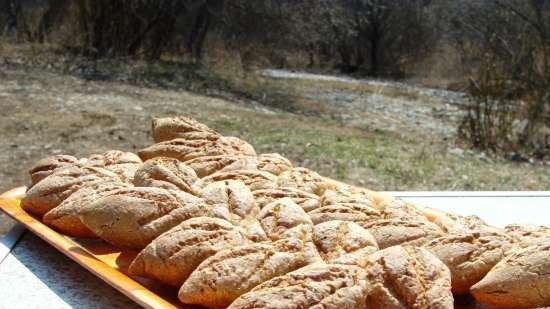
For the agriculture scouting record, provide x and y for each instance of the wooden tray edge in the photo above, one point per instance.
(9, 204)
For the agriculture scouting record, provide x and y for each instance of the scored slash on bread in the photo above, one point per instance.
(167, 173)
(316, 286)
(407, 277)
(66, 216)
(469, 256)
(270, 162)
(521, 280)
(172, 256)
(188, 149)
(133, 217)
(228, 274)
(233, 228)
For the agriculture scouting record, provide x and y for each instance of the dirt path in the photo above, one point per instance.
(377, 104)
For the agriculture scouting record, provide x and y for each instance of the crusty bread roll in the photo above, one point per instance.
(338, 241)
(284, 219)
(307, 201)
(521, 280)
(52, 190)
(133, 217)
(346, 212)
(167, 173)
(528, 235)
(270, 162)
(66, 216)
(407, 277)
(168, 128)
(228, 274)
(316, 286)
(45, 167)
(172, 256)
(253, 179)
(186, 149)
(469, 256)
(303, 179)
(233, 201)
(392, 232)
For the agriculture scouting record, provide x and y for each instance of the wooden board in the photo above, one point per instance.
(111, 264)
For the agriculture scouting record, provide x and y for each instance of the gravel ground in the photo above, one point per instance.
(375, 104)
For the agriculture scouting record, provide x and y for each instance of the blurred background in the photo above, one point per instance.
(390, 95)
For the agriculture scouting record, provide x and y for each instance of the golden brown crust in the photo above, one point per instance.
(52, 190)
(271, 162)
(253, 179)
(125, 171)
(392, 232)
(172, 256)
(167, 173)
(303, 179)
(133, 217)
(65, 217)
(45, 167)
(470, 256)
(318, 286)
(233, 201)
(521, 280)
(338, 241)
(186, 149)
(112, 157)
(528, 235)
(228, 274)
(168, 128)
(284, 219)
(344, 212)
(307, 201)
(407, 277)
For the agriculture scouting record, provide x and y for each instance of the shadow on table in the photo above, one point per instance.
(69, 281)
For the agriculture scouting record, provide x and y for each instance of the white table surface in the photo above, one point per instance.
(35, 275)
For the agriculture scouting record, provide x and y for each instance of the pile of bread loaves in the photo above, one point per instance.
(236, 229)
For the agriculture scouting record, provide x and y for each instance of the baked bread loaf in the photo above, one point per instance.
(528, 235)
(169, 128)
(228, 274)
(253, 179)
(271, 162)
(342, 241)
(172, 256)
(66, 216)
(233, 201)
(45, 167)
(347, 212)
(521, 280)
(393, 232)
(52, 190)
(112, 157)
(133, 217)
(407, 277)
(303, 179)
(307, 201)
(319, 286)
(167, 173)
(470, 256)
(187, 149)
(284, 219)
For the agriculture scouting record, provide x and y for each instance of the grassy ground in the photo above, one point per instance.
(377, 159)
